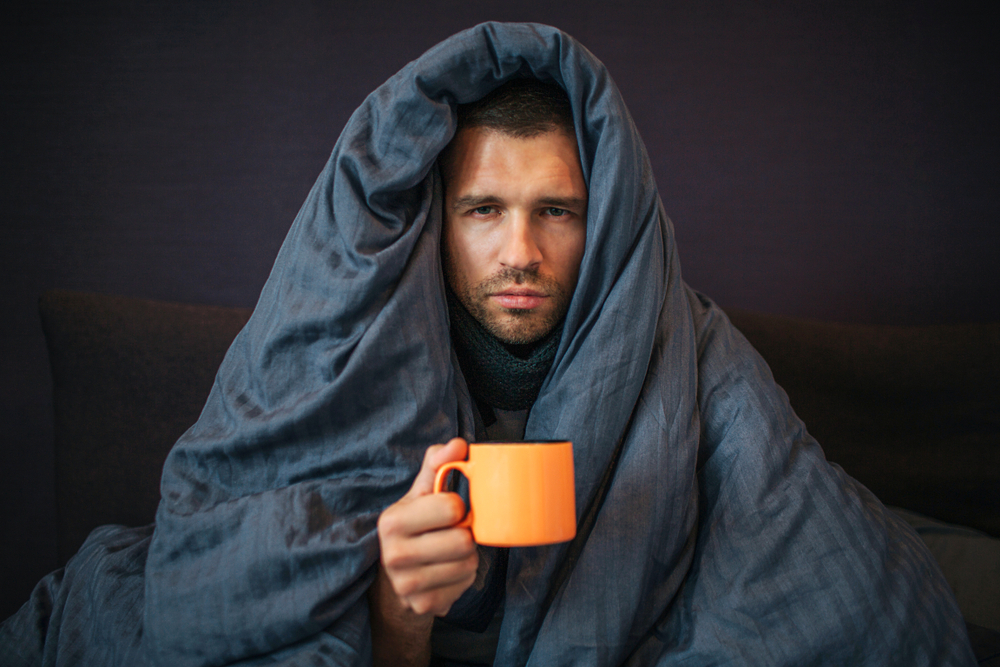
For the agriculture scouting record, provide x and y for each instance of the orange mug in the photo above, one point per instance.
(520, 493)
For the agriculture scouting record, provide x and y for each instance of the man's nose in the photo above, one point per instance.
(519, 248)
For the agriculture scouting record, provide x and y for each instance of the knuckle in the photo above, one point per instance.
(388, 521)
(429, 454)
(458, 509)
(397, 556)
(420, 605)
(461, 545)
(391, 561)
(404, 586)
(468, 544)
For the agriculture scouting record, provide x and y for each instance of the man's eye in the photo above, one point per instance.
(483, 210)
(556, 212)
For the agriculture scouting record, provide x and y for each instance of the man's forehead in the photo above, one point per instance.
(496, 155)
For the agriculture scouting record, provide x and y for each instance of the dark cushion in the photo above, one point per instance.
(913, 413)
(130, 376)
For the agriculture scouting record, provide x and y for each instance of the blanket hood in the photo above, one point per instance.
(324, 404)
(265, 537)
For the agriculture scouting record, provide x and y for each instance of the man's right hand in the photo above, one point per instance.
(427, 560)
(426, 564)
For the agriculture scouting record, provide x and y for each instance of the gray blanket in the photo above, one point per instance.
(725, 536)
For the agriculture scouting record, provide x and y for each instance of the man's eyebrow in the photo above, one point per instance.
(474, 201)
(573, 203)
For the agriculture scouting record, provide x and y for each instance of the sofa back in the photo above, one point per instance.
(129, 377)
(911, 412)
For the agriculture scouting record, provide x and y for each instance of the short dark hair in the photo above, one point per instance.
(521, 108)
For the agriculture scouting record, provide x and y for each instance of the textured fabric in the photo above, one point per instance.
(725, 537)
(970, 562)
(910, 412)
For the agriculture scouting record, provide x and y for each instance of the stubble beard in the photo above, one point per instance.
(514, 326)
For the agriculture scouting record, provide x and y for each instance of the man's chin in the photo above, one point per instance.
(519, 327)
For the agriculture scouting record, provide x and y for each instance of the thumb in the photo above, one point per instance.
(436, 456)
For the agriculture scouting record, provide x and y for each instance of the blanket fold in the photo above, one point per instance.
(725, 537)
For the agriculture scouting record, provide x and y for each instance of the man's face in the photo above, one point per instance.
(515, 214)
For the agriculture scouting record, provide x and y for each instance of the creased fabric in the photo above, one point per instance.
(725, 537)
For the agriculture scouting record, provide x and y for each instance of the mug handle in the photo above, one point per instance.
(442, 472)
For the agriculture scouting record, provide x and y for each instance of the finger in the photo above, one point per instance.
(418, 580)
(432, 547)
(439, 601)
(435, 457)
(450, 581)
(406, 520)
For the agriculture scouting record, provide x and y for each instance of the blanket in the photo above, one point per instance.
(725, 537)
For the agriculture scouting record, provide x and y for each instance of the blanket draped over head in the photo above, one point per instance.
(724, 537)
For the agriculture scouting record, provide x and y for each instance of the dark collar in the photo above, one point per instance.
(507, 377)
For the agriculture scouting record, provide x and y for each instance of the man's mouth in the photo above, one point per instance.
(518, 297)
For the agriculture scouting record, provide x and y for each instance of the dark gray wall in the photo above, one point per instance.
(829, 159)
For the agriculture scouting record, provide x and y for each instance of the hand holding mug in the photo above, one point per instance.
(427, 558)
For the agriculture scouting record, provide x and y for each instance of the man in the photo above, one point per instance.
(514, 231)
(294, 526)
